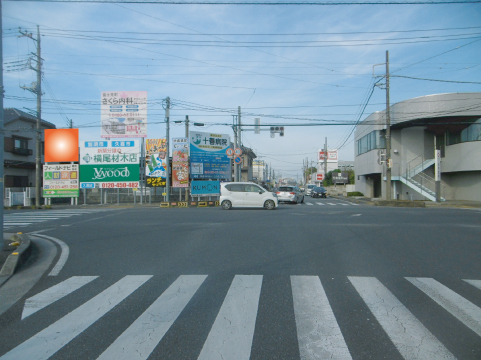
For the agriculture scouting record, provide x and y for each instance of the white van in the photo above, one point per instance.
(246, 194)
(309, 187)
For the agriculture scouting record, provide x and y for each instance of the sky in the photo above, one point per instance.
(308, 68)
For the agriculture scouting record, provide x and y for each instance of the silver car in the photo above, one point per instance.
(290, 194)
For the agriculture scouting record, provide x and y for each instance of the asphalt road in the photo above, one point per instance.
(323, 279)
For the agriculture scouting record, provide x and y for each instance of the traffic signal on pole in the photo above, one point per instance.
(281, 129)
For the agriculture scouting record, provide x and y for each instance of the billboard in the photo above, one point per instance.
(340, 178)
(61, 145)
(155, 162)
(123, 114)
(208, 158)
(109, 164)
(205, 188)
(331, 155)
(60, 181)
(180, 162)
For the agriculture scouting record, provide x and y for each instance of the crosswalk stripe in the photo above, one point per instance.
(140, 339)
(50, 295)
(48, 341)
(11, 224)
(320, 203)
(343, 204)
(233, 330)
(462, 309)
(475, 283)
(317, 329)
(408, 334)
(331, 203)
(308, 203)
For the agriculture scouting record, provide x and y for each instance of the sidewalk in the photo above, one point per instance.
(463, 204)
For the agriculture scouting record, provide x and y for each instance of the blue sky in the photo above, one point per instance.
(292, 65)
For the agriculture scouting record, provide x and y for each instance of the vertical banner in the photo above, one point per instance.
(123, 114)
(180, 162)
(155, 162)
(208, 158)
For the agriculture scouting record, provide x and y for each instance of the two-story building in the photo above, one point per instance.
(450, 123)
(20, 131)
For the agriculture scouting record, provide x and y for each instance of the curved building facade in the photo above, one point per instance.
(450, 123)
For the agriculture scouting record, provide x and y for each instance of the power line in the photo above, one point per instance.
(448, 81)
(257, 3)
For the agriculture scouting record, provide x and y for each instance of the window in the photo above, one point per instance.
(252, 188)
(374, 140)
(20, 143)
(471, 133)
(235, 187)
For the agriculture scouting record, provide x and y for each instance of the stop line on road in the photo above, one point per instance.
(319, 334)
(328, 203)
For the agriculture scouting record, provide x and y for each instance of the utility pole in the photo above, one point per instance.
(187, 126)
(388, 134)
(167, 175)
(325, 161)
(2, 119)
(234, 127)
(36, 88)
(239, 171)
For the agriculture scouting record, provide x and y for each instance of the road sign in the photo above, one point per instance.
(319, 177)
(238, 160)
(230, 152)
(238, 151)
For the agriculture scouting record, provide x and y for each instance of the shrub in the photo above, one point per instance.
(355, 193)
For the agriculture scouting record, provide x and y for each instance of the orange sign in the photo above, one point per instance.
(61, 145)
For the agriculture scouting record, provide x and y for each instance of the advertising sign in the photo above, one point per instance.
(205, 188)
(208, 158)
(123, 114)
(61, 145)
(155, 162)
(60, 181)
(180, 162)
(109, 164)
(340, 178)
(331, 155)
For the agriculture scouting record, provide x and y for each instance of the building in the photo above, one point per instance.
(450, 123)
(20, 131)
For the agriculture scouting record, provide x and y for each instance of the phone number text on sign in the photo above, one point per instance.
(118, 185)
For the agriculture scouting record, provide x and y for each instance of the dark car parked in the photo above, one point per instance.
(319, 192)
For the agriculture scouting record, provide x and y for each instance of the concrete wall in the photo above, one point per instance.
(463, 185)
(462, 157)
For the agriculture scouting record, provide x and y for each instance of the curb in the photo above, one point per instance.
(18, 257)
(396, 203)
(189, 204)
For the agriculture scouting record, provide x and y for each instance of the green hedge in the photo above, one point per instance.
(355, 193)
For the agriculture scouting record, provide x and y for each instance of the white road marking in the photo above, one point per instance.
(11, 224)
(475, 283)
(318, 332)
(50, 295)
(141, 338)
(233, 330)
(65, 251)
(308, 203)
(408, 334)
(50, 340)
(331, 203)
(356, 215)
(343, 204)
(320, 203)
(462, 309)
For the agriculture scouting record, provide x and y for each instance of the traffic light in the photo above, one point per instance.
(281, 129)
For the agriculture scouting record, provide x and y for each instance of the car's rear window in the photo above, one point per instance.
(286, 188)
(235, 187)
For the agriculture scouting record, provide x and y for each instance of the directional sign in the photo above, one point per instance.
(238, 152)
(230, 152)
(238, 160)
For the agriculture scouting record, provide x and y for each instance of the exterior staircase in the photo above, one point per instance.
(416, 179)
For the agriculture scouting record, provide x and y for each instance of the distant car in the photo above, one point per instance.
(290, 194)
(309, 187)
(319, 192)
(246, 194)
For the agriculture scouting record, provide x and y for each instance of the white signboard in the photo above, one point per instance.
(61, 180)
(123, 114)
(331, 155)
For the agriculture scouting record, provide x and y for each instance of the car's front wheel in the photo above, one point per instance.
(226, 205)
(269, 205)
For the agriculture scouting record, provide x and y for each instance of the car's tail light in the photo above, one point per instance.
(278, 192)
(293, 193)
